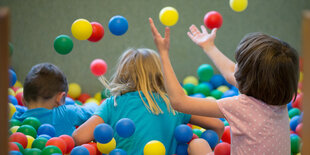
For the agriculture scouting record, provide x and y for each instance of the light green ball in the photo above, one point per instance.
(189, 87)
(190, 79)
(203, 89)
(216, 94)
(205, 72)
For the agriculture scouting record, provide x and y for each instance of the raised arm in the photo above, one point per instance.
(178, 99)
(206, 42)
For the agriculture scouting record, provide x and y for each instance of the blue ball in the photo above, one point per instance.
(235, 89)
(222, 119)
(198, 95)
(15, 153)
(289, 106)
(79, 150)
(229, 93)
(13, 77)
(45, 136)
(47, 129)
(118, 152)
(183, 133)
(211, 137)
(69, 101)
(294, 122)
(103, 133)
(125, 127)
(13, 100)
(118, 25)
(217, 80)
(182, 149)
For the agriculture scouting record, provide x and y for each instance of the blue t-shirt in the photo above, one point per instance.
(64, 118)
(149, 126)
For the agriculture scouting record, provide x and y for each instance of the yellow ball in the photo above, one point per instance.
(13, 129)
(154, 147)
(12, 110)
(74, 90)
(238, 5)
(301, 76)
(92, 100)
(185, 91)
(81, 29)
(196, 127)
(211, 97)
(30, 141)
(18, 84)
(223, 89)
(98, 96)
(190, 79)
(168, 16)
(106, 148)
(20, 90)
(11, 92)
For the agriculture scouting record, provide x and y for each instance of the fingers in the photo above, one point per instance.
(167, 33)
(194, 30)
(190, 35)
(213, 33)
(203, 29)
(153, 28)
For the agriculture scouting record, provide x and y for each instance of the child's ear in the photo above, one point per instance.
(60, 98)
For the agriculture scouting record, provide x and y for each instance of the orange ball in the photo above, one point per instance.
(58, 142)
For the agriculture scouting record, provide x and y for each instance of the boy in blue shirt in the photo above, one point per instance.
(45, 90)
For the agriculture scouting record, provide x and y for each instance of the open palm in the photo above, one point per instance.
(203, 39)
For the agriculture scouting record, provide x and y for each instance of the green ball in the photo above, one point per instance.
(216, 94)
(203, 89)
(27, 130)
(39, 143)
(33, 151)
(14, 122)
(293, 112)
(105, 93)
(78, 102)
(63, 44)
(21, 149)
(295, 143)
(11, 49)
(32, 121)
(205, 72)
(49, 150)
(197, 132)
(189, 87)
(226, 123)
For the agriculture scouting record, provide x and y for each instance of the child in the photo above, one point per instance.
(45, 90)
(266, 74)
(138, 93)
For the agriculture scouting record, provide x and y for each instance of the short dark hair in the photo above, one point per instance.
(268, 69)
(44, 81)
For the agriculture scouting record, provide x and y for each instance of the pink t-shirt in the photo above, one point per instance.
(256, 128)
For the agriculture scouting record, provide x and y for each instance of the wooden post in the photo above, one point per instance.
(4, 78)
(306, 83)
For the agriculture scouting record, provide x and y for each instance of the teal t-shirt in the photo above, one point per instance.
(64, 118)
(149, 126)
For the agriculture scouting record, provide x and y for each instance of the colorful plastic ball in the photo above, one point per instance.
(226, 123)
(154, 147)
(217, 80)
(168, 16)
(226, 135)
(95, 146)
(56, 141)
(81, 29)
(13, 146)
(197, 132)
(12, 110)
(47, 129)
(108, 147)
(125, 127)
(118, 152)
(11, 92)
(14, 129)
(118, 25)
(33, 151)
(20, 147)
(295, 143)
(15, 153)
(198, 95)
(74, 90)
(182, 149)
(298, 129)
(293, 112)
(28, 130)
(13, 77)
(69, 101)
(19, 98)
(238, 5)
(13, 100)
(213, 19)
(77, 102)
(32, 121)
(18, 84)
(105, 93)
(203, 89)
(30, 141)
(19, 138)
(79, 150)
(190, 79)
(289, 106)
(211, 137)
(91, 149)
(97, 96)
(216, 94)
(229, 93)
(189, 88)
(298, 102)
(294, 122)
(223, 88)
(222, 149)
(83, 97)
(92, 100)
(183, 133)
(69, 142)
(205, 72)
(49, 150)
(63, 44)
(98, 67)
(103, 133)
(194, 137)
(44, 136)
(39, 143)
(98, 32)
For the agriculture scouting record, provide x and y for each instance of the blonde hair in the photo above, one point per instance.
(140, 70)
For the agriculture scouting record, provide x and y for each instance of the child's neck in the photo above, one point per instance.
(48, 104)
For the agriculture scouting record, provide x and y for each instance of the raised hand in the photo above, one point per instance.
(162, 44)
(203, 39)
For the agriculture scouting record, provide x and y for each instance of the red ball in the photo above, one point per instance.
(298, 102)
(83, 97)
(194, 137)
(90, 148)
(188, 124)
(226, 135)
(58, 142)
(98, 32)
(13, 146)
(95, 146)
(19, 97)
(299, 129)
(19, 138)
(98, 67)
(222, 149)
(69, 142)
(213, 19)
